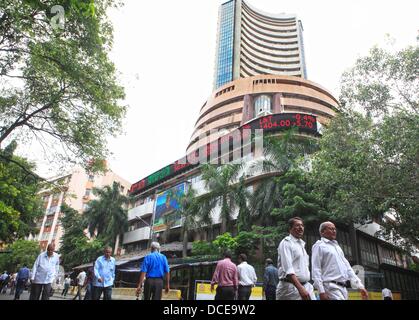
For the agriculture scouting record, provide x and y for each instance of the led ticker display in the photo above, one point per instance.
(276, 122)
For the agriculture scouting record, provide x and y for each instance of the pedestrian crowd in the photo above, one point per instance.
(331, 273)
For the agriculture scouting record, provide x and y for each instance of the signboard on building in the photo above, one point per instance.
(166, 204)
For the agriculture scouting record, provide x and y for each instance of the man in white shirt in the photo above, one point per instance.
(387, 295)
(44, 271)
(80, 284)
(330, 269)
(247, 278)
(293, 265)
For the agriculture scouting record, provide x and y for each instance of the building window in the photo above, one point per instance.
(87, 193)
(368, 252)
(91, 178)
(263, 105)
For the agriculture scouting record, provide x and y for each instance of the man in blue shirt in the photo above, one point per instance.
(21, 279)
(44, 271)
(156, 267)
(104, 275)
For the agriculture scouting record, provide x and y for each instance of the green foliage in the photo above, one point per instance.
(368, 163)
(225, 242)
(59, 87)
(22, 252)
(224, 191)
(275, 198)
(76, 248)
(19, 201)
(106, 216)
(247, 242)
(203, 248)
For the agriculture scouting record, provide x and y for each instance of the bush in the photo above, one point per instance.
(225, 242)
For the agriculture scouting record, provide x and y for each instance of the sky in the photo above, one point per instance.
(164, 52)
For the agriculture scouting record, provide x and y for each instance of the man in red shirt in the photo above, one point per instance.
(226, 276)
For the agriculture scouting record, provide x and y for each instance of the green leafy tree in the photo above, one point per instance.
(203, 248)
(58, 85)
(19, 253)
(106, 216)
(368, 163)
(20, 204)
(76, 248)
(223, 191)
(247, 242)
(281, 154)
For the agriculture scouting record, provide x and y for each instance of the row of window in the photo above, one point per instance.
(276, 34)
(228, 89)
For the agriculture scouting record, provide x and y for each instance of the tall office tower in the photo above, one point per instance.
(251, 42)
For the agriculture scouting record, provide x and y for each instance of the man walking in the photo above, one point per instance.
(226, 276)
(21, 280)
(104, 275)
(270, 280)
(80, 284)
(330, 269)
(90, 276)
(247, 278)
(293, 265)
(44, 271)
(156, 270)
(67, 282)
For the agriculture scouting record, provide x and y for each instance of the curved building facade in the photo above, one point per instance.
(251, 42)
(245, 99)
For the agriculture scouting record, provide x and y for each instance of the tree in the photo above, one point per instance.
(20, 253)
(192, 215)
(20, 204)
(76, 248)
(368, 163)
(223, 190)
(281, 154)
(58, 85)
(106, 216)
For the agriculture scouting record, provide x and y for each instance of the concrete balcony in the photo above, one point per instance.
(142, 210)
(137, 235)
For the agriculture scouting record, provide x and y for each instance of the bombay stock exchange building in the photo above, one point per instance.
(260, 72)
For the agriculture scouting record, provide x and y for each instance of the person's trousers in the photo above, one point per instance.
(270, 293)
(287, 291)
(107, 293)
(65, 290)
(20, 285)
(153, 288)
(36, 290)
(244, 292)
(388, 298)
(89, 291)
(225, 293)
(335, 291)
(78, 294)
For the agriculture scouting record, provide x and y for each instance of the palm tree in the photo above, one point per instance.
(281, 154)
(192, 213)
(106, 215)
(224, 190)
